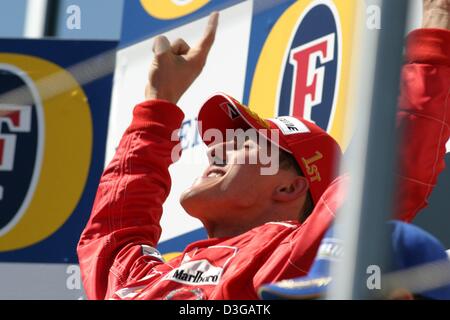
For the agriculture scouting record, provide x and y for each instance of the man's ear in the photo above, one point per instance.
(293, 189)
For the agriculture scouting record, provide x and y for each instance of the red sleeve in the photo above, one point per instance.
(118, 242)
(423, 118)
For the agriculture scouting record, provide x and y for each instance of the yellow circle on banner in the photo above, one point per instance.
(172, 9)
(66, 156)
(268, 73)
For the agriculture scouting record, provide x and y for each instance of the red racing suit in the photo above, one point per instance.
(116, 250)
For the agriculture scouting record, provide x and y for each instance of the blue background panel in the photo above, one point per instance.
(60, 247)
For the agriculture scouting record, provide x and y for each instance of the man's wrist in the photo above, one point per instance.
(152, 94)
(161, 96)
(436, 19)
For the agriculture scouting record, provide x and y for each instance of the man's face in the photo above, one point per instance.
(233, 182)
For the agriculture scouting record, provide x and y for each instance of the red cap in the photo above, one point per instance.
(316, 152)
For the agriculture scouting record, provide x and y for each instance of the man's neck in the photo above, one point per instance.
(219, 229)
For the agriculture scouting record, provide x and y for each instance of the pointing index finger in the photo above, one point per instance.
(210, 33)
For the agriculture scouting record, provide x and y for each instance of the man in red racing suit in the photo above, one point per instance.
(117, 251)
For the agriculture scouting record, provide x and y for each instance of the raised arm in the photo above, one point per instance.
(118, 243)
(424, 109)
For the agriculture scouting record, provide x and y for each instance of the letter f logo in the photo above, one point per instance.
(17, 119)
(308, 77)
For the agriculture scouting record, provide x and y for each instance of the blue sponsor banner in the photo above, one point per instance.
(299, 58)
(305, 82)
(52, 145)
(143, 19)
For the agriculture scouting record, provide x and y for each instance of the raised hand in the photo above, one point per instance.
(436, 14)
(176, 65)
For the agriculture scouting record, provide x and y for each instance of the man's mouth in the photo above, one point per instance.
(214, 173)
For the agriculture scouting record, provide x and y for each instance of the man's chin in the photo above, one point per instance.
(200, 190)
(195, 200)
(189, 200)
